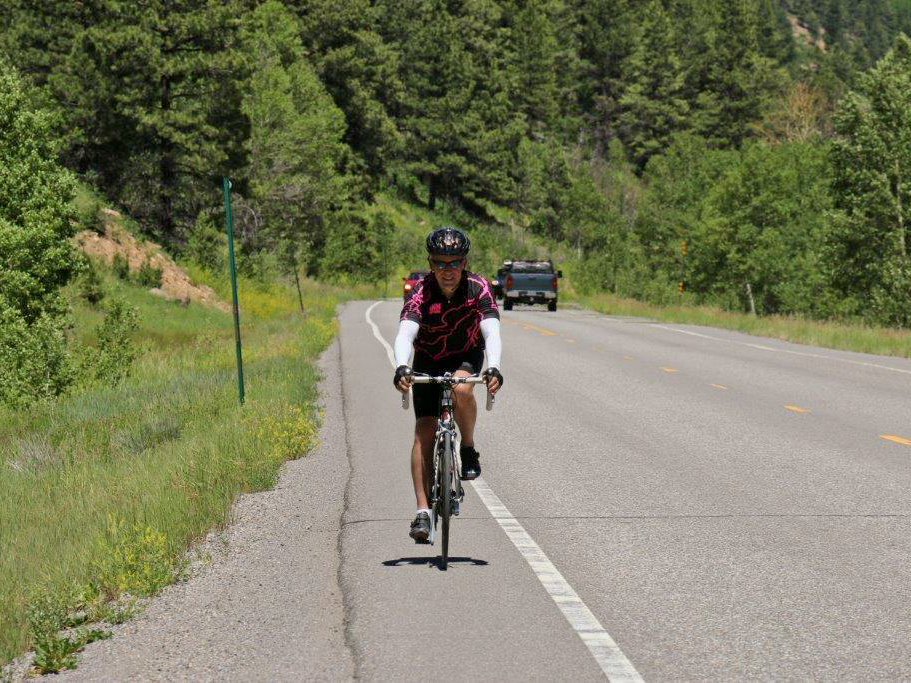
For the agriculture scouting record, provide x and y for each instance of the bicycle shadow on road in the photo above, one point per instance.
(433, 561)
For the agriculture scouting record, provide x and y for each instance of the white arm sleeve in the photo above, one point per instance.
(408, 331)
(490, 328)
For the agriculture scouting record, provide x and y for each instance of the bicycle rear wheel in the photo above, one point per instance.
(445, 497)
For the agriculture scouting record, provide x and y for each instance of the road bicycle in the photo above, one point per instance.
(446, 492)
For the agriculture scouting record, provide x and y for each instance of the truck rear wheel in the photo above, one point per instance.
(552, 305)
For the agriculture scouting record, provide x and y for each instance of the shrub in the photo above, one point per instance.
(121, 267)
(33, 357)
(37, 220)
(91, 218)
(148, 275)
(134, 559)
(37, 216)
(112, 358)
(207, 245)
(90, 286)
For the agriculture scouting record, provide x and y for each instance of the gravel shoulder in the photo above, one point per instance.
(268, 605)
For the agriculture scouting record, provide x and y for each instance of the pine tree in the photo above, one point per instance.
(296, 154)
(652, 107)
(360, 69)
(607, 38)
(150, 86)
(532, 64)
(729, 80)
(460, 130)
(872, 155)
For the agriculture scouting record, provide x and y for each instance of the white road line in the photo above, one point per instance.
(762, 347)
(602, 647)
(606, 652)
(376, 333)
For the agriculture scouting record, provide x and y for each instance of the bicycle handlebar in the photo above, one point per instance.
(442, 379)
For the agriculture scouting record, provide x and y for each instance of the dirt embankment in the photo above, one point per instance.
(175, 284)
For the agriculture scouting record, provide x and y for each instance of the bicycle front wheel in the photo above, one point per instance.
(445, 497)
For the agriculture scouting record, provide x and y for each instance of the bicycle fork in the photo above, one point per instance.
(451, 478)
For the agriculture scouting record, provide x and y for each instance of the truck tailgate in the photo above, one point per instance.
(532, 282)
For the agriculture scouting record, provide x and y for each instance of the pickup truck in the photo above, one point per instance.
(530, 282)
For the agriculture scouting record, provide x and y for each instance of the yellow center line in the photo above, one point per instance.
(797, 409)
(570, 341)
(896, 439)
(719, 386)
(627, 357)
(669, 369)
(539, 330)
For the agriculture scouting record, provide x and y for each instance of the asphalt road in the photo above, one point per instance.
(670, 502)
(725, 505)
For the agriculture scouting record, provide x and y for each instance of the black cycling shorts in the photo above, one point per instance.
(427, 396)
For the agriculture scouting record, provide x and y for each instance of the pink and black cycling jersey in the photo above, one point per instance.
(450, 326)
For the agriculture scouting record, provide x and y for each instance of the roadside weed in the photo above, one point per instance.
(103, 489)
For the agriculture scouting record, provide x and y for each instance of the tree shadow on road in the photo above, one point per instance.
(433, 561)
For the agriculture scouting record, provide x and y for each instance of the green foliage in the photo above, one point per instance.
(148, 275)
(111, 359)
(717, 221)
(36, 212)
(134, 559)
(869, 244)
(765, 228)
(158, 459)
(357, 248)
(121, 267)
(90, 216)
(652, 106)
(36, 256)
(459, 126)
(295, 149)
(729, 80)
(34, 363)
(147, 98)
(207, 244)
(360, 70)
(90, 284)
(49, 615)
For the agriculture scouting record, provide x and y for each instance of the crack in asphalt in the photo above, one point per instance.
(667, 517)
(347, 604)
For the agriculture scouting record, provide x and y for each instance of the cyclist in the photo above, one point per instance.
(450, 318)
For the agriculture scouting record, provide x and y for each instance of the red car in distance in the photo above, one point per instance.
(413, 278)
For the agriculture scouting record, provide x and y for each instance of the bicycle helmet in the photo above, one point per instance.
(448, 241)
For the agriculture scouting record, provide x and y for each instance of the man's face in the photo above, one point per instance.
(447, 270)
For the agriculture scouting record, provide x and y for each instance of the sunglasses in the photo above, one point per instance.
(446, 265)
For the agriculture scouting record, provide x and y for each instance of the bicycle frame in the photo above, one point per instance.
(446, 491)
(446, 425)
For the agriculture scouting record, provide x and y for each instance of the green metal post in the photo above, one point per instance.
(229, 225)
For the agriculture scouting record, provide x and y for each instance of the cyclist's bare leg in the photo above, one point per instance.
(422, 459)
(466, 409)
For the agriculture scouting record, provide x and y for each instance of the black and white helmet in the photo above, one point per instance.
(448, 241)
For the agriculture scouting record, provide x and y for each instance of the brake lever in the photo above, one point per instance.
(405, 398)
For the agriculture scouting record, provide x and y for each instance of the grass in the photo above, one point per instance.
(833, 335)
(102, 490)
